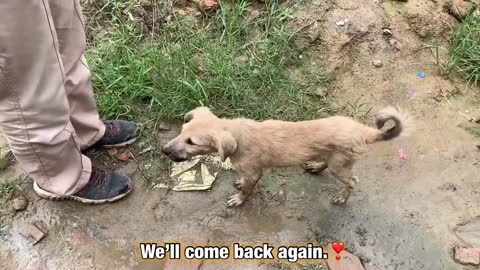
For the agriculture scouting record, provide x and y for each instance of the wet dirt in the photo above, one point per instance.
(401, 216)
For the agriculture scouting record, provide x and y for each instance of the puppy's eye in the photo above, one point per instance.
(189, 141)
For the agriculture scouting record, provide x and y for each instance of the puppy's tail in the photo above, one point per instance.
(403, 124)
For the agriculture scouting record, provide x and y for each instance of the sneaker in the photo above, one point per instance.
(102, 187)
(118, 133)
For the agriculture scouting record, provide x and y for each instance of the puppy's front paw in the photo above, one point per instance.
(338, 199)
(235, 200)
(238, 184)
(341, 197)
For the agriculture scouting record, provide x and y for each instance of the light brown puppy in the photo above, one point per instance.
(335, 142)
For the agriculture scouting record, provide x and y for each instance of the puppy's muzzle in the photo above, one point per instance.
(173, 155)
(167, 151)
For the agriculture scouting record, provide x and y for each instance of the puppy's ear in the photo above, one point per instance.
(188, 116)
(225, 144)
(199, 111)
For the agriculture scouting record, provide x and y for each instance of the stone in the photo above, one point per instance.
(387, 32)
(34, 233)
(377, 63)
(164, 126)
(467, 255)
(459, 8)
(20, 203)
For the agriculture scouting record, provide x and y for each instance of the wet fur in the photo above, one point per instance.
(334, 143)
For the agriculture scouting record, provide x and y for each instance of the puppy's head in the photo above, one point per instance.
(203, 133)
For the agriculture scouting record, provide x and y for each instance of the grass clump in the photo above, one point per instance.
(465, 51)
(237, 65)
(7, 189)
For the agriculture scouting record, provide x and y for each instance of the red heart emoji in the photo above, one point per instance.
(338, 246)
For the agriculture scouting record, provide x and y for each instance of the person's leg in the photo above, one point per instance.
(34, 111)
(69, 25)
(68, 22)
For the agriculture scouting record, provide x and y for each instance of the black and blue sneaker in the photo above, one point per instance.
(118, 133)
(103, 186)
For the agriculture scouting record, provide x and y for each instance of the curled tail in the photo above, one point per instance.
(403, 124)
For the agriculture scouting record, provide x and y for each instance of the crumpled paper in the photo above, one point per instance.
(187, 177)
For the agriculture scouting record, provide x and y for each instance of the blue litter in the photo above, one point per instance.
(421, 74)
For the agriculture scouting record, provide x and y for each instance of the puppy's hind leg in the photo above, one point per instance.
(238, 184)
(248, 184)
(341, 167)
(315, 167)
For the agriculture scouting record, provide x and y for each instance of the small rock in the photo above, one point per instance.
(459, 8)
(34, 233)
(377, 63)
(340, 23)
(20, 203)
(467, 255)
(164, 126)
(387, 32)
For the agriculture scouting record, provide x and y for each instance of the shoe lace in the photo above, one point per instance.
(110, 129)
(98, 177)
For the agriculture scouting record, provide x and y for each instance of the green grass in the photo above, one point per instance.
(7, 189)
(465, 51)
(238, 67)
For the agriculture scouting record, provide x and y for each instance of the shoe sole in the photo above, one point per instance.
(54, 197)
(132, 140)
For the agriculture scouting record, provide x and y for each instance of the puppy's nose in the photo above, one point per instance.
(166, 150)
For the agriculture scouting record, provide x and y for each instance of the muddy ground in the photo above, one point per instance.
(401, 216)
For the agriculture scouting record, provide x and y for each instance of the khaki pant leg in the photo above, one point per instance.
(69, 25)
(34, 110)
